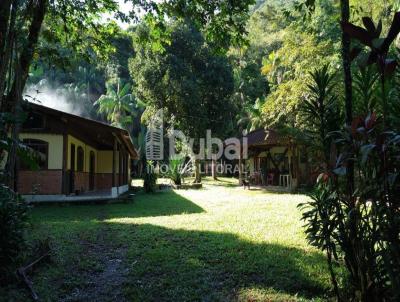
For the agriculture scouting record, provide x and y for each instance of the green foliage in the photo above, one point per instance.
(149, 178)
(321, 112)
(13, 224)
(174, 169)
(362, 231)
(139, 141)
(365, 90)
(357, 221)
(286, 48)
(253, 118)
(325, 224)
(354, 213)
(223, 23)
(301, 53)
(117, 105)
(320, 215)
(177, 168)
(251, 88)
(187, 80)
(394, 104)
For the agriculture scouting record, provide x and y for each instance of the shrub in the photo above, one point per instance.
(361, 230)
(177, 169)
(13, 223)
(354, 215)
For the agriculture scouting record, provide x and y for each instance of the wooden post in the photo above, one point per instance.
(120, 166)
(64, 186)
(197, 172)
(296, 166)
(114, 167)
(213, 167)
(240, 167)
(127, 162)
(290, 169)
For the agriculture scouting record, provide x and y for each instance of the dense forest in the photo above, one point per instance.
(284, 44)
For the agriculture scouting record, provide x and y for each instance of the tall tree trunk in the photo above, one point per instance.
(354, 258)
(197, 174)
(14, 98)
(15, 129)
(5, 12)
(214, 168)
(240, 163)
(348, 83)
(26, 56)
(7, 37)
(6, 29)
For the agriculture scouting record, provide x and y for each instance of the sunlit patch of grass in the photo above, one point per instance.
(269, 295)
(219, 243)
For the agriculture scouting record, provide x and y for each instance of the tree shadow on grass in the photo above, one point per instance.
(143, 205)
(181, 265)
(164, 264)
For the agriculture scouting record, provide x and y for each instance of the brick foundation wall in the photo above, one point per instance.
(48, 182)
(81, 181)
(103, 181)
(44, 182)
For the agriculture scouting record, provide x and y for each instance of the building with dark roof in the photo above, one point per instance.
(78, 158)
(275, 159)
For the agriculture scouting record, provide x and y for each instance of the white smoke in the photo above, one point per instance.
(60, 99)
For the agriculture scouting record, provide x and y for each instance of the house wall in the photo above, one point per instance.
(103, 166)
(47, 181)
(55, 142)
(86, 149)
(43, 182)
(50, 181)
(105, 162)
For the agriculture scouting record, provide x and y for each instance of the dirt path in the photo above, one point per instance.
(104, 282)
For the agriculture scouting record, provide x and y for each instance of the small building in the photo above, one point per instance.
(276, 160)
(78, 158)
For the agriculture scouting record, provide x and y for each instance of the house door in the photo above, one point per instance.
(72, 171)
(92, 163)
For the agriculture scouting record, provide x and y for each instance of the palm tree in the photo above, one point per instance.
(139, 142)
(90, 80)
(118, 105)
(252, 116)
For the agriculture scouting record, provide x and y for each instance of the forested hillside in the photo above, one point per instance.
(312, 86)
(284, 45)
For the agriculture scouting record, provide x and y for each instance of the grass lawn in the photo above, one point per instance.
(221, 243)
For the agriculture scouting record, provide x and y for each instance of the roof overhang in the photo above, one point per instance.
(98, 134)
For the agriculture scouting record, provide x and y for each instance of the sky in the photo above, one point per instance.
(124, 7)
